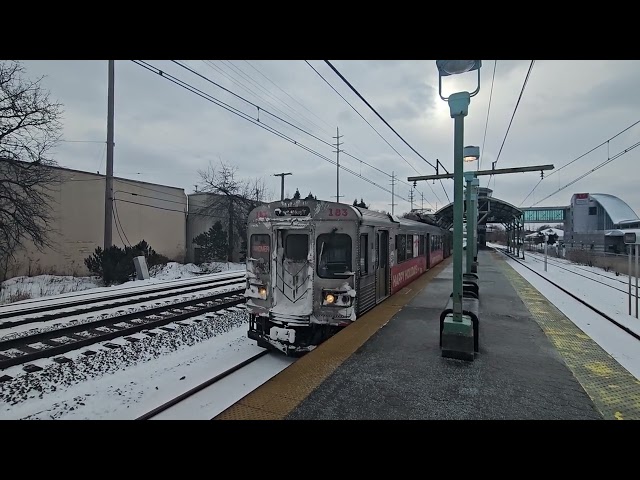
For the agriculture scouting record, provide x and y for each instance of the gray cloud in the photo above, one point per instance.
(165, 134)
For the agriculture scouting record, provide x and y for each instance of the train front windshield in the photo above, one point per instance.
(333, 252)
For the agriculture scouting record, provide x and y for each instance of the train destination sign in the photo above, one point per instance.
(301, 211)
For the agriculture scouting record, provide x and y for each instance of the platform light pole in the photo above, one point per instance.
(459, 108)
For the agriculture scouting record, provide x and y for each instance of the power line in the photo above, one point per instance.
(250, 103)
(245, 116)
(526, 80)
(354, 109)
(387, 124)
(583, 155)
(374, 111)
(240, 83)
(166, 209)
(606, 162)
(374, 129)
(147, 196)
(252, 81)
(495, 64)
(262, 109)
(292, 98)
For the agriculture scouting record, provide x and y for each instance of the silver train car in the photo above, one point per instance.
(314, 267)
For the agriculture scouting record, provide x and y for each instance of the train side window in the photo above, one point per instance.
(260, 250)
(333, 252)
(364, 254)
(296, 247)
(409, 246)
(401, 246)
(421, 245)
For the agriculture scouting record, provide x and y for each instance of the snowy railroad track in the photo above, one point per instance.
(191, 392)
(208, 399)
(27, 314)
(572, 295)
(20, 350)
(614, 282)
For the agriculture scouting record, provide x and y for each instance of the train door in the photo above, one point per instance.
(382, 265)
(427, 249)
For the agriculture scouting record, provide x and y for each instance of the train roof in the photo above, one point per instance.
(320, 209)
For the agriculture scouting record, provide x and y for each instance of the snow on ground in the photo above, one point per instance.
(214, 399)
(31, 328)
(619, 344)
(127, 382)
(22, 288)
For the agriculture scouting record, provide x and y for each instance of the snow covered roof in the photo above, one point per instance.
(548, 231)
(617, 209)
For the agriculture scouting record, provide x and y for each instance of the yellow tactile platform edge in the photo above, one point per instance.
(614, 391)
(281, 394)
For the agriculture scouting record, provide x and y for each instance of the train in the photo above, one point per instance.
(314, 267)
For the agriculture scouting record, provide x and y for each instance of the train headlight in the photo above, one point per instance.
(336, 298)
(263, 292)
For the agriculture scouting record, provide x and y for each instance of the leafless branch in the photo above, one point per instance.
(29, 127)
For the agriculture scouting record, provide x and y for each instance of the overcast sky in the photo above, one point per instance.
(164, 134)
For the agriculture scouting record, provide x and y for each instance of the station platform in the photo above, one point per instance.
(533, 362)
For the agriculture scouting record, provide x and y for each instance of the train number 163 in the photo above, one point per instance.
(338, 212)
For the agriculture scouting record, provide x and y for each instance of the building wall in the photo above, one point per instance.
(78, 223)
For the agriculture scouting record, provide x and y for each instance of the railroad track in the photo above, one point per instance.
(562, 264)
(13, 318)
(575, 297)
(189, 393)
(21, 350)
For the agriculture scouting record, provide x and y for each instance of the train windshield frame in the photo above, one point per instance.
(333, 253)
(296, 247)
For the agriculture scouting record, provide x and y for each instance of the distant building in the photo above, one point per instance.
(205, 209)
(596, 221)
(142, 211)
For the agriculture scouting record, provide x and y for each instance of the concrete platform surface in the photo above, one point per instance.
(400, 373)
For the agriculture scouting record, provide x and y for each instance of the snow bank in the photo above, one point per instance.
(22, 288)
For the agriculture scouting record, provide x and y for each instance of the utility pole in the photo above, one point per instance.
(282, 175)
(338, 164)
(393, 197)
(108, 193)
(422, 201)
(411, 198)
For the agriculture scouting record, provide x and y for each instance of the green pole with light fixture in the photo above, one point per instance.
(457, 326)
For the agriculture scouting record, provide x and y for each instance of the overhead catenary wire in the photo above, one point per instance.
(387, 124)
(266, 111)
(247, 117)
(251, 103)
(374, 111)
(243, 75)
(292, 98)
(524, 85)
(582, 156)
(495, 64)
(233, 76)
(368, 123)
(597, 167)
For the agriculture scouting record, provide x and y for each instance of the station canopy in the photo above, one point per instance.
(490, 210)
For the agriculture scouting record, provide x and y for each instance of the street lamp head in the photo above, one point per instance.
(471, 153)
(456, 67)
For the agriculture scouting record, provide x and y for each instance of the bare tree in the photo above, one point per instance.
(235, 197)
(29, 127)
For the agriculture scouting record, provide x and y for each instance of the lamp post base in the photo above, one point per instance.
(458, 338)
